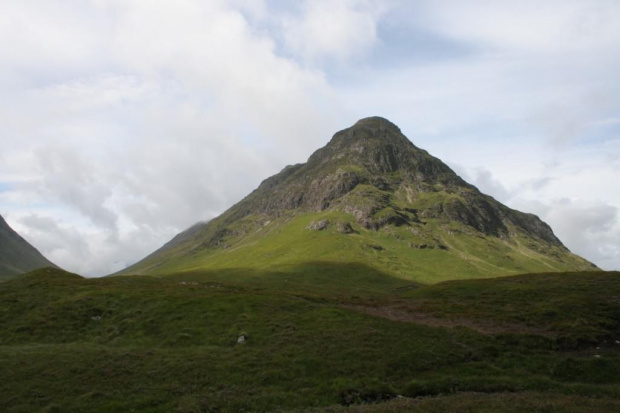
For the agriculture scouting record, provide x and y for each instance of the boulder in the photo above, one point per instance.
(318, 225)
(344, 228)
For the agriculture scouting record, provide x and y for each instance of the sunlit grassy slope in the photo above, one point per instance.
(429, 253)
(545, 342)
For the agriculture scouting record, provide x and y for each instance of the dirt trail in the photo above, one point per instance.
(413, 315)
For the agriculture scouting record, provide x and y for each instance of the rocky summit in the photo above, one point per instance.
(370, 196)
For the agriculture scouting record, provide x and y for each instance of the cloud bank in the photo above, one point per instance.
(124, 122)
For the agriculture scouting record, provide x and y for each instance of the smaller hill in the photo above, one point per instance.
(17, 256)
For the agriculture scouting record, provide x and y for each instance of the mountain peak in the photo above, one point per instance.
(372, 182)
(367, 132)
(375, 122)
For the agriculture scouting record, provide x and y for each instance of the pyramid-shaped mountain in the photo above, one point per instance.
(17, 256)
(370, 197)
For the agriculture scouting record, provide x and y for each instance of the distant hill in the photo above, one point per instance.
(370, 197)
(17, 256)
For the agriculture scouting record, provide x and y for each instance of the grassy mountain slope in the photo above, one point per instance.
(369, 197)
(286, 243)
(544, 342)
(17, 256)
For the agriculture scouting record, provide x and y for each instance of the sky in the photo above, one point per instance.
(123, 122)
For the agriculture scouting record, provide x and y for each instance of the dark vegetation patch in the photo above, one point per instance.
(525, 402)
(579, 308)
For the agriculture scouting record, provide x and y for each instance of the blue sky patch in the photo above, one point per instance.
(5, 186)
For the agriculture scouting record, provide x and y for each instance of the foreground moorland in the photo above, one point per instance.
(319, 336)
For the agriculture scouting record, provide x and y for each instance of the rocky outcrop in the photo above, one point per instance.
(344, 228)
(318, 225)
(374, 153)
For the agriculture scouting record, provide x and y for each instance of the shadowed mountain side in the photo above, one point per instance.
(17, 256)
(320, 279)
(370, 196)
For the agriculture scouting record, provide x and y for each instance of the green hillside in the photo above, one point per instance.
(17, 256)
(372, 198)
(286, 243)
(544, 342)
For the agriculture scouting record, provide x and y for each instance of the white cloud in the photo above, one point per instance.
(530, 26)
(50, 41)
(333, 29)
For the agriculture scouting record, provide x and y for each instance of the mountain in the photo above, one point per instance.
(372, 197)
(17, 256)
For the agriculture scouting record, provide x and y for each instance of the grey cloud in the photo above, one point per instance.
(487, 183)
(87, 250)
(592, 219)
(484, 180)
(589, 229)
(55, 242)
(190, 110)
(65, 177)
(540, 183)
(123, 122)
